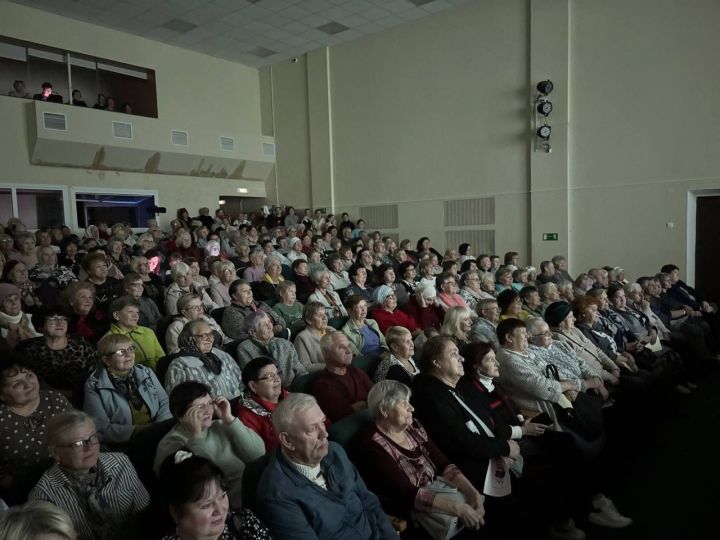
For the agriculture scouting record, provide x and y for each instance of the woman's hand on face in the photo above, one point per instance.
(193, 421)
(223, 410)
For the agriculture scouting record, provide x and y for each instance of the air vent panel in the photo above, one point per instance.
(55, 121)
(179, 138)
(268, 149)
(380, 217)
(227, 144)
(481, 241)
(122, 130)
(464, 212)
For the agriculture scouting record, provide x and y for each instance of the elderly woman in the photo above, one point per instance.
(511, 306)
(307, 342)
(566, 291)
(152, 283)
(288, 307)
(262, 342)
(85, 319)
(199, 360)
(265, 288)
(220, 289)
(457, 324)
(327, 297)
(68, 256)
(117, 256)
(582, 284)
(503, 279)
(99, 491)
(561, 320)
(15, 325)
(60, 360)
(133, 286)
(339, 278)
(24, 412)
(363, 334)
(25, 250)
(423, 307)
(405, 468)
(36, 520)
(17, 273)
(358, 279)
(194, 489)
(399, 365)
(123, 397)
(561, 354)
(183, 284)
(386, 313)
(48, 271)
(448, 296)
(125, 313)
(263, 391)
(190, 308)
(243, 304)
(106, 288)
(227, 442)
(471, 290)
(460, 434)
(548, 294)
(385, 274)
(256, 270)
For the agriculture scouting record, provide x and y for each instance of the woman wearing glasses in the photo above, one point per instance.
(263, 392)
(24, 411)
(99, 491)
(60, 360)
(227, 442)
(200, 361)
(125, 313)
(190, 308)
(123, 397)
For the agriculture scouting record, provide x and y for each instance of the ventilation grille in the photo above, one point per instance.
(481, 241)
(54, 121)
(122, 130)
(227, 143)
(268, 149)
(380, 217)
(464, 212)
(394, 236)
(179, 138)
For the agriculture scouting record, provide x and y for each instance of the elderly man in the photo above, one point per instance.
(601, 278)
(483, 329)
(560, 263)
(340, 389)
(310, 489)
(570, 366)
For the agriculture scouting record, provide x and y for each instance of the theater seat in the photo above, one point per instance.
(303, 383)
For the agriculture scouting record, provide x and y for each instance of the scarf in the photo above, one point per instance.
(210, 361)
(127, 385)
(88, 487)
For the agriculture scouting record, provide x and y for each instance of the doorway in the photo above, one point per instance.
(707, 252)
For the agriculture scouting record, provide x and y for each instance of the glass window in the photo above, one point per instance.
(93, 208)
(40, 208)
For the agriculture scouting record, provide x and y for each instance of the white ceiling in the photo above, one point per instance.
(252, 32)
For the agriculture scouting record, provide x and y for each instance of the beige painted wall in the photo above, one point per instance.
(202, 93)
(644, 126)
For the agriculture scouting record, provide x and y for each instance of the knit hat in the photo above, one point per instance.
(381, 293)
(294, 240)
(557, 312)
(427, 290)
(8, 289)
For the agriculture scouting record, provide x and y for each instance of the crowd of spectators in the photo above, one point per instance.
(47, 93)
(297, 376)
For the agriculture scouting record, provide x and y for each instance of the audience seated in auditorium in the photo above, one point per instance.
(307, 342)
(125, 314)
(399, 365)
(182, 284)
(19, 90)
(133, 286)
(364, 336)
(189, 308)
(242, 305)
(15, 324)
(36, 520)
(85, 319)
(288, 306)
(484, 326)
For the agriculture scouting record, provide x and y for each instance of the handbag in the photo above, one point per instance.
(585, 416)
(438, 525)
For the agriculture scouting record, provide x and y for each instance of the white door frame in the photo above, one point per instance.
(42, 187)
(692, 197)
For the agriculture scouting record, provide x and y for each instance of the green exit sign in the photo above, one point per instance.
(550, 236)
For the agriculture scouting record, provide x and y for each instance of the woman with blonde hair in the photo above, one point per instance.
(36, 520)
(457, 324)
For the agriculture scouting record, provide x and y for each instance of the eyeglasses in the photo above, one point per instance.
(194, 308)
(56, 320)
(125, 352)
(270, 377)
(244, 291)
(205, 336)
(544, 334)
(84, 443)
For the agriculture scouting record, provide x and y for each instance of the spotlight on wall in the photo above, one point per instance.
(543, 132)
(544, 107)
(545, 87)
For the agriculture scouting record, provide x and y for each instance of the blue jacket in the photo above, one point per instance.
(111, 410)
(293, 507)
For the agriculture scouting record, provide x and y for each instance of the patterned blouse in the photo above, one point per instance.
(243, 526)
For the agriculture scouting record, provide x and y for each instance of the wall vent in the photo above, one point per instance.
(481, 241)
(122, 130)
(56, 121)
(463, 212)
(179, 138)
(268, 149)
(380, 217)
(227, 143)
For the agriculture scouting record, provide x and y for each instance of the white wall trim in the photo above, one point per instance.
(692, 197)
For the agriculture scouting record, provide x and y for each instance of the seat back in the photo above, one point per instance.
(250, 479)
(337, 322)
(303, 383)
(346, 430)
(217, 315)
(367, 363)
